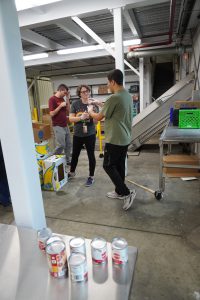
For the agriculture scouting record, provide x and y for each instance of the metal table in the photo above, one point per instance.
(24, 273)
(174, 135)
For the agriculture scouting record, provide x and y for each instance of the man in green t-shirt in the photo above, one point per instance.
(117, 112)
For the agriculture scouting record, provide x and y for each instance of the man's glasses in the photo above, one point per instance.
(84, 92)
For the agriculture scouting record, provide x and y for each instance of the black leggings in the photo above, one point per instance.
(89, 142)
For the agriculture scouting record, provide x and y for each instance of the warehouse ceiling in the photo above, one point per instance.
(48, 28)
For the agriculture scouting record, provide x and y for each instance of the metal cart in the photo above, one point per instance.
(174, 135)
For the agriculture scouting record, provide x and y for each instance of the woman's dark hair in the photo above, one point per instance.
(78, 90)
(116, 75)
(62, 87)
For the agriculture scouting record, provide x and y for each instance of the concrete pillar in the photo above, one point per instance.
(118, 35)
(15, 125)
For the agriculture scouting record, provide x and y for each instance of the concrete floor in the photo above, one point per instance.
(166, 233)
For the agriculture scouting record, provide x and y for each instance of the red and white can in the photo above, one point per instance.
(43, 235)
(53, 238)
(119, 250)
(57, 259)
(78, 267)
(99, 250)
(77, 244)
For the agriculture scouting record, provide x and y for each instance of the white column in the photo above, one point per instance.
(15, 125)
(118, 35)
(141, 68)
(148, 82)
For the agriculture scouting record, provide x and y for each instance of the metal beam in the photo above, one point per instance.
(37, 39)
(101, 42)
(67, 8)
(118, 32)
(69, 26)
(130, 15)
(130, 23)
(55, 58)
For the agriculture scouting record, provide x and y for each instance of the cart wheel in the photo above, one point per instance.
(101, 155)
(158, 195)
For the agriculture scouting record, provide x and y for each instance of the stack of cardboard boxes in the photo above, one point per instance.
(52, 169)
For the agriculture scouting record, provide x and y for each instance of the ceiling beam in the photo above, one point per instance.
(55, 58)
(130, 23)
(63, 9)
(37, 39)
(101, 42)
(70, 27)
(73, 71)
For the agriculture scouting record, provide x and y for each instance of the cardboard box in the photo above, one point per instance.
(181, 159)
(54, 173)
(42, 150)
(186, 104)
(46, 119)
(103, 89)
(40, 171)
(45, 111)
(41, 131)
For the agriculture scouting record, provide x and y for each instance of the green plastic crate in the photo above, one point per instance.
(189, 118)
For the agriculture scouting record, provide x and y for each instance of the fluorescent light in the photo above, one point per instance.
(79, 49)
(132, 42)
(25, 4)
(96, 47)
(35, 56)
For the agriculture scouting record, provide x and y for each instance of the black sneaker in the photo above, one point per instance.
(89, 181)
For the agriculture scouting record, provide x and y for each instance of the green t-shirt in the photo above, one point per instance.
(118, 118)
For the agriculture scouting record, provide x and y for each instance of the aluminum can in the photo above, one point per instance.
(57, 259)
(53, 238)
(77, 244)
(78, 267)
(43, 235)
(99, 250)
(119, 250)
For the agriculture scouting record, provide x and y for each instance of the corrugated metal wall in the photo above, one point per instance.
(45, 91)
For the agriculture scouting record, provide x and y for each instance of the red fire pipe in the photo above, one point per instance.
(171, 26)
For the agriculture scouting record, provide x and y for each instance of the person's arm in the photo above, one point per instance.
(55, 111)
(74, 119)
(97, 116)
(96, 102)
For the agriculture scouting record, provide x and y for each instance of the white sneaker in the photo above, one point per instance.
(71, 175)
(114, 195)
(128, 201)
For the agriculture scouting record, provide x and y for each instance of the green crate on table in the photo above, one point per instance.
(189, 118)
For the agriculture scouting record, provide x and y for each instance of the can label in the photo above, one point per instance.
(43, 235)
(99, 250)
(57, 261)
(119, 250)
(79, 273)
(120, 256)
(42, 245)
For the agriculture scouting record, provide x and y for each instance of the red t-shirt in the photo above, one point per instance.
(60, 119)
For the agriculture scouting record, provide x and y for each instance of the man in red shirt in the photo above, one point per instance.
(59, 112)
